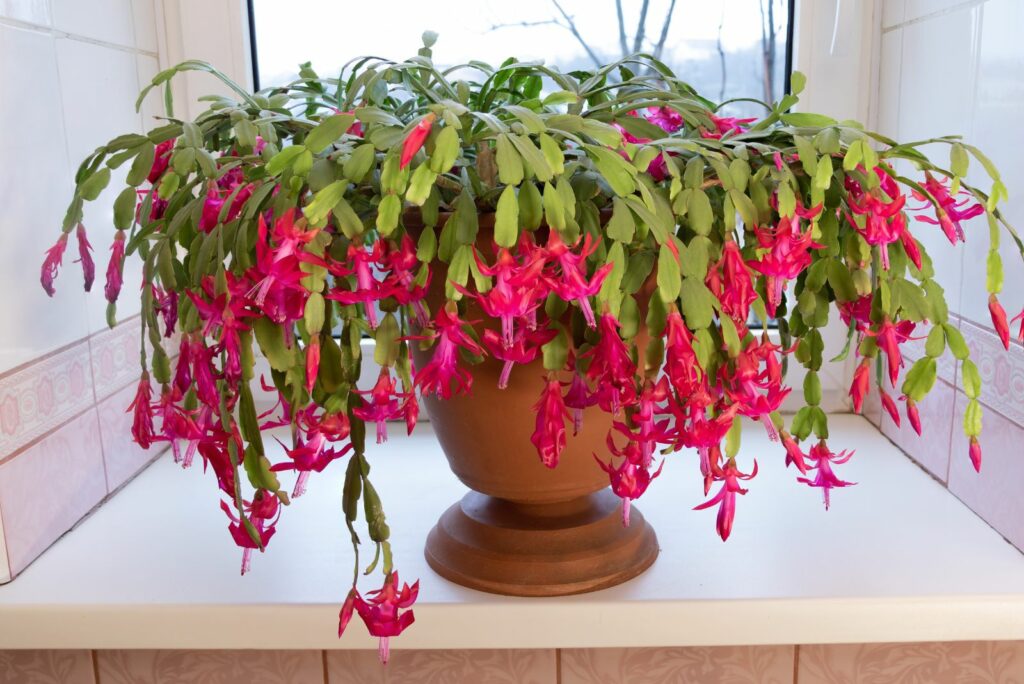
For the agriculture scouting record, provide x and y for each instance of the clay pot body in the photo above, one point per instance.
(525, 529)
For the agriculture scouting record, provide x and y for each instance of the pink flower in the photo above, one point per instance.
(858, 310)
(384, 404)
(312, 361)
(998, 313)
(177, 424)
(549, 433)
(665, 118)
(861, 384)
(52, 262)
(401, 283)
(414, 141)
(726, 125)
(913, 415)
(974, 451)
(516, 293)
(225, 317)
(368, 291)
(889, 337)
(165, 303)
(578, 398)
(161, 158)
(115, 268)
(882, 209)
(278, 291)
(1020, 333)
(788, 253)
(573, 284)
(890, 406)
(631, 478)
(725, 498)
(794, 455)
(313, 451)
(443, 368)
(648, 432)
(141, 406)
(382, 610)
(524, 349)
(730, 282)
(262, 512)
(611, 369)
(85, 258)
(825, 478)
(948, 212)
(681, 365)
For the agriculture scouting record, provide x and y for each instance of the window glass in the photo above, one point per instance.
(727, 49)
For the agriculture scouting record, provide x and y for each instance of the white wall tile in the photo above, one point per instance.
(34, 198)
(938, 65)
(916, 9)
(106, 20)
(32, 11)
(893, 12)
(1000, 102)
(144, 20)
(153, 105)
(98, 87)
(889, 84)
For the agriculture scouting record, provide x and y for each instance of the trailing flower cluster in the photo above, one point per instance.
(640, 243)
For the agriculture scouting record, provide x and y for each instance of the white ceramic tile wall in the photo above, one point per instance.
(69, 74)
(954, 67)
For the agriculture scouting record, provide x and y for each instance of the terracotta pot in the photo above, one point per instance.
(525, 529)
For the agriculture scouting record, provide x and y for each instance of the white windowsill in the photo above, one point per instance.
(898, 558)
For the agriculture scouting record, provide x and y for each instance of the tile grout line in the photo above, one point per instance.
(558, 666)
(933, 15)
(796, 663)
(57, 33)
(95, 666)
(323, 665)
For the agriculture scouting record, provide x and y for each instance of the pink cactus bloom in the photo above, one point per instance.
(681, 365)
(85, 257)
(881, 209)
(912, 248)
(665, 118)
(861, 384)
(400, 282)
(224, 317)
(729, 280)
(263, 513)
(115, 268)
(142, 413)
(948, 212)
(646, 431)
(999, 322)
(368, 290)
(176, 424)
(312, 361)
(524, 349)
(611, 369)
(859, 310)
(386, 611)
(572, 283)
(744, 380)
(825, 478)
(161, 159)
(725, 498)
(794, 455)
(52, 262)
(414, 141)
(515, 295)
(578, 398)
(443, 371)
(726, 125)
(889, 336)
(913, 415)
(890, 406)
(385, 404)
(313, 453)
(974, 451)
(165, 303)
(203, 373)
(549, 433)
(631, 478)
(788, 253)
(278, 290)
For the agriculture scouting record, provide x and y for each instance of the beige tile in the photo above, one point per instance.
(46, 667)
(462, 666)
(928, 663)
(210, 667)
(722, 665)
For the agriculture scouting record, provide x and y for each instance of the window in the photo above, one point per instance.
(726, 50)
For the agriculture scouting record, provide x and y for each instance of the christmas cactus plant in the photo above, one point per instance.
(641, 243)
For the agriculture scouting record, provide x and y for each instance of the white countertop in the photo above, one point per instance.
(898, 558)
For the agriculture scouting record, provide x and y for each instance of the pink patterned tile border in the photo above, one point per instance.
(1002, 372)
(39, 397)
(995, 662)
(722, 664)
(994, 493)
(50, 486)
(115, 357)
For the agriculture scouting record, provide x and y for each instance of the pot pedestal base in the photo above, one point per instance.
(551, 549)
